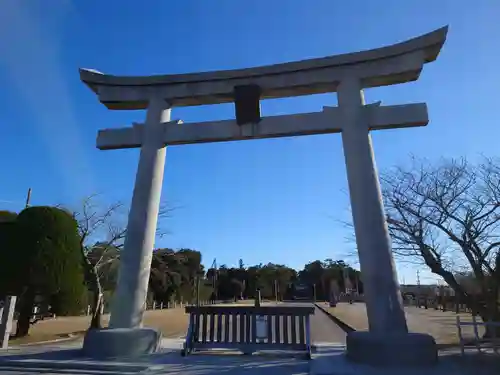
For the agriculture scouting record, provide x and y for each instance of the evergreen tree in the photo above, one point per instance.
(49, 243)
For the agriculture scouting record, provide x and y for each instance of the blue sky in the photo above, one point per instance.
(274, 200)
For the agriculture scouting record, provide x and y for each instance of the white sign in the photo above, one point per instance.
(261, 327)
(6, 319)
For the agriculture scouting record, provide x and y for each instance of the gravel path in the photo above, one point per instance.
(322, 328)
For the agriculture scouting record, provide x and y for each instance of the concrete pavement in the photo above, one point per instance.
(328, 359)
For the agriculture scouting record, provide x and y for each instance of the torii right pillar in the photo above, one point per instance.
(388, 335)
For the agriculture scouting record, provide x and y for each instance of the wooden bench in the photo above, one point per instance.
(249, 329)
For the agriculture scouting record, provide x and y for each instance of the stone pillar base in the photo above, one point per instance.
(391, 350)
(111, 343)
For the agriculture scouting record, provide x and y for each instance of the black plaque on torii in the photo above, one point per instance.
(247, 104)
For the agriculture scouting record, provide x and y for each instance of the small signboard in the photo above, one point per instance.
(261, 327)
(6, 319)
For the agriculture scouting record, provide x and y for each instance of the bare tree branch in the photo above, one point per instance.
(103, 228)
(449, 216)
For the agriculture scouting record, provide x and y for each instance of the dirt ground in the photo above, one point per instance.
(441, 325)
(173, 323)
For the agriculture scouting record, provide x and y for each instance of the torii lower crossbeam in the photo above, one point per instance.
(328, 121)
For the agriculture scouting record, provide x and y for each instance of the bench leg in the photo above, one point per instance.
(308, 337)
(187, 347)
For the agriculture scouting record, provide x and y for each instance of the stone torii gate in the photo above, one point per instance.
(347, 75)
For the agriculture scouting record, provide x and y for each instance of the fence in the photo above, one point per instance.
(446, 303)
(150, 306)
(434, 303)
(346, 297)
(480, 344)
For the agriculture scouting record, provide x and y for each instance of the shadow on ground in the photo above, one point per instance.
(233, 364)
(450, 363)
(70, 361)
(475, 362)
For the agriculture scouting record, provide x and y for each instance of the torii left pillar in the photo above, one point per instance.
(125, 337)
(135, 263)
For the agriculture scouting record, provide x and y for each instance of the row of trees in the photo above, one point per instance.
(179, 275)
(278, 281)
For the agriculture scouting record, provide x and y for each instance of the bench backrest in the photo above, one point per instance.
(286, 325)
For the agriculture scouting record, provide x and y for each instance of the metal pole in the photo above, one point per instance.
(345, 279)
(276, 290)
(257, 299)
(214, 278)
(197, 291)
(28, 198)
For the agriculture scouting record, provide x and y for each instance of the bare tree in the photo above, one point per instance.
(448, 216)
(102, 229)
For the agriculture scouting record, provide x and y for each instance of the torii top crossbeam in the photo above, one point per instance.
(397, 63)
